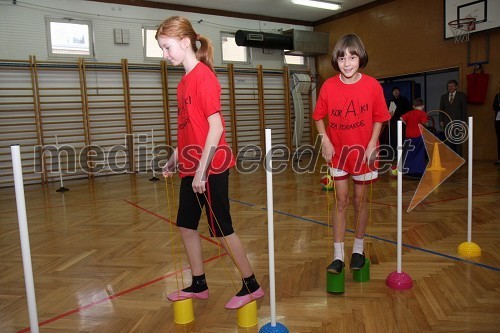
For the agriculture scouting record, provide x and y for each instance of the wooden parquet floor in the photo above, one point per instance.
(105, 254)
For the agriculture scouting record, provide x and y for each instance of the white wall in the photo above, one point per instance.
(23, 31)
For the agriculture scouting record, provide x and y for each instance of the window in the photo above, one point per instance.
(151, 49)
(232, 52)
(68, 37)
(294, 60)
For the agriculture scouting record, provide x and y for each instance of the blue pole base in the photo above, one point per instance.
(279, 328)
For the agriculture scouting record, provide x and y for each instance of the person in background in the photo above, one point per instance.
(414, 158)
(496, 109)
(454, 104)
(400, 105)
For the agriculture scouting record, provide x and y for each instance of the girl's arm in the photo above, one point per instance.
(371, 149)
(169, 168)
(213, 137)
(327, 150)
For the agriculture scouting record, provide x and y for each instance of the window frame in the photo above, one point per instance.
(224, 34)
(301, 66)
(145, 29)
(51, 54)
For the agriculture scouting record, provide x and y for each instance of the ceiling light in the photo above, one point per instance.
(318, 4)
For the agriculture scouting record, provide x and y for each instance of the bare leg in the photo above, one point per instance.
(236, 251)
(339, 213)
(250, 289)
(360, 209)
(192, 245)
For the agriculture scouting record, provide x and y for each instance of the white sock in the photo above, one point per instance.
(358, 245)
(338, 251)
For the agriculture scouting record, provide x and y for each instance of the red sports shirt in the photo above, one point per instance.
(351, 110)
(412, 119)
(198, 97)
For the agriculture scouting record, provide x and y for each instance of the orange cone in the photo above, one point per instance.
(436, 159)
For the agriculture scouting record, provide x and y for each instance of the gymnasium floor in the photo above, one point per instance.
(105, 254)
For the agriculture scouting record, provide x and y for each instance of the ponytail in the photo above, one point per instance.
(205, 53)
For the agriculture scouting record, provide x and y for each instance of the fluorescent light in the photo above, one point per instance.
(318, 4)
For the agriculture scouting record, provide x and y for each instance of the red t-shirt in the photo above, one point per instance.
(412, 119)
(198, 97)
(351, 110)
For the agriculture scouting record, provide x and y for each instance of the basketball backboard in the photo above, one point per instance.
(485, 12)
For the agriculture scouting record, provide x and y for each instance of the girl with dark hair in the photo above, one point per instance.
(355, 108)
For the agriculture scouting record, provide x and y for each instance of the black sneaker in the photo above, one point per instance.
(335, 267)
(357, 261)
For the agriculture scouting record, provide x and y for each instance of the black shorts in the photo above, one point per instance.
(218, 215)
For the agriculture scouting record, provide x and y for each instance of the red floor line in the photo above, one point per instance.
(115, 296)
(169, 221)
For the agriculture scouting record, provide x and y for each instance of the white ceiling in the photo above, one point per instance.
(272, 8)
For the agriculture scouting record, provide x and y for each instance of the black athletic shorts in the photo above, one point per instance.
(218, 215)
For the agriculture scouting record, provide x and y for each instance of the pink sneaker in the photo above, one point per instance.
(237, 302)
(181, 295)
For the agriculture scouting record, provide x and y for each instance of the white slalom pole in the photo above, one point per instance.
(152, 149)
(469, 249)
(270, 225)
(400, 195)
(399, 280)
(59, 163)
(62, 188)
(23, 232)
(469, 189)
(154, 178)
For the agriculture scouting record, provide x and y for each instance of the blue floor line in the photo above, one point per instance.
(381, 239)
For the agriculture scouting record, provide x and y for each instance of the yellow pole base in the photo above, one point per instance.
(246, 316)
(469, 250)
(183, 311)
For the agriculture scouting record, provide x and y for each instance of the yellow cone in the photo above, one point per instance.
(436, 159)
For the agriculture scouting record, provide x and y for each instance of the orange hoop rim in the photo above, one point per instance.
(464, 24)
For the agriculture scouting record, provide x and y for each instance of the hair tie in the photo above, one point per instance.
(198, 37)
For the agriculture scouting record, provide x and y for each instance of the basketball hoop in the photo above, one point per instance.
(461, 28)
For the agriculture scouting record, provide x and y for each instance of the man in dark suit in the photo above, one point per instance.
(496, 109)
(454, 104)
(401, 105)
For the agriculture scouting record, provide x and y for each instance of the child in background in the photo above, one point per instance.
(203, 159)
(414, 159)
(355, 108)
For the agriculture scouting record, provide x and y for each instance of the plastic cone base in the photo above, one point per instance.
(278, 328)
(399, 281)
(469, 250)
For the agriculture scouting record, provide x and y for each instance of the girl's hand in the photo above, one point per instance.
(370, 153)
(199, 182)
(169, 169)
(327, 150)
